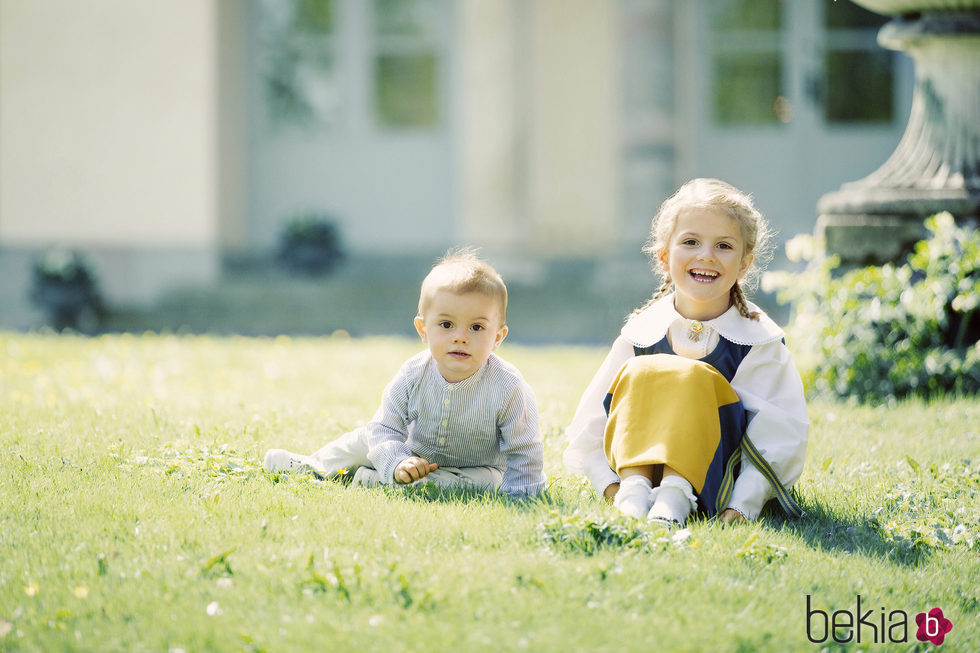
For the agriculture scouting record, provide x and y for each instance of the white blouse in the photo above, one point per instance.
(766, 382)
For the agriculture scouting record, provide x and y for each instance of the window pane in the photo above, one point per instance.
(300, 66)
(743, 15)
(746, 88)
(314, 16)
(838, 14)
(859, 86)
(414, 18)
(406, 90)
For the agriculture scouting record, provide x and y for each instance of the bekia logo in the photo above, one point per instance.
(933, 626)
(877, 627)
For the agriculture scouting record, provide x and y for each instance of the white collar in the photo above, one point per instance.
(650, 325)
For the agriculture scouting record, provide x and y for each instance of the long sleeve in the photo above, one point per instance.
(585, 453)
(770, 388)
(487, 420)
(521, 443)
(388, 431)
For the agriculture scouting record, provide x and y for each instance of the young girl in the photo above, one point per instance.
(698, 406)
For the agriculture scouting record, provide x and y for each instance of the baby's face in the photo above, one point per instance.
(461, 331)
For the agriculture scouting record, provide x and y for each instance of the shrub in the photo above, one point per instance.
(887, 332)
(66, 288)
(311, 245)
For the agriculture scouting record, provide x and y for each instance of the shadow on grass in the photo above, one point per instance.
(826, 529)
(430, 492)
(434, 493)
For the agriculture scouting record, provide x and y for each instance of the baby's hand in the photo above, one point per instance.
(413, 468)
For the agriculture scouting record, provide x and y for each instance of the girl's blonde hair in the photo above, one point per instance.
(716, 195)
(461, 271)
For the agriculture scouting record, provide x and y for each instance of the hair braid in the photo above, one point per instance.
(664, 287)
(738, 300)
(661, 291)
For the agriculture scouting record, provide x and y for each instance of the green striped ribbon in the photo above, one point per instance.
(728, 482)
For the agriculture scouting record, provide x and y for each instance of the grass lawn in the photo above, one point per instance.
(135, 516)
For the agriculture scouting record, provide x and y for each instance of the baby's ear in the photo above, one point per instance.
(420, 326)
(501, 334)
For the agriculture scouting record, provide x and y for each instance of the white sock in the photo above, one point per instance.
(673, 500)
(633, 498)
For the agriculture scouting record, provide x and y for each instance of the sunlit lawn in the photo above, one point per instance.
(135, 516)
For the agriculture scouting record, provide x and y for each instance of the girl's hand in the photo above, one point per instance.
(730, 515)
(413, 468)
(610, 492)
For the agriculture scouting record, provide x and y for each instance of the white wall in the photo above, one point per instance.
(489, 96)
(574, 126)
(538, 126)
(108, 112)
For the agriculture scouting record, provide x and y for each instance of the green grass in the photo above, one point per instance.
(135, 516)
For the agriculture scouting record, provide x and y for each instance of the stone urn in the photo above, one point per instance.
(936, 165)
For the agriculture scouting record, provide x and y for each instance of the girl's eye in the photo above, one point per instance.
(689, 242)
(725, 245)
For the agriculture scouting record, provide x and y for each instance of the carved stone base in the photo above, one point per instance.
(936, 166)
(861, 239)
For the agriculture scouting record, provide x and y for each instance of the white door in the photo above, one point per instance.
(350, 118)
(792, 98)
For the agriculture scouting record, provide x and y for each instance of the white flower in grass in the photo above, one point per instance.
(681, 536)
(213, 609)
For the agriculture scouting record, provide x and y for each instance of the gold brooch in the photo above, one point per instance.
(694, 331)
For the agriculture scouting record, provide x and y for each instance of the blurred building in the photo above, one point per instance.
(168, 137)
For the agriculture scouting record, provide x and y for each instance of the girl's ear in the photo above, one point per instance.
(746, 263)
(662, 258)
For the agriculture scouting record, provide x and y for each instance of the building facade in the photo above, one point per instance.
(164, 138)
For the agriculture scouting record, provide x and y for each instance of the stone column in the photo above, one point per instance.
(936, 166)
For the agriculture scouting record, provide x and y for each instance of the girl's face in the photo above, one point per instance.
(705, 257)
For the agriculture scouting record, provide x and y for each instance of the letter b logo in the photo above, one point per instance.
(933, 626)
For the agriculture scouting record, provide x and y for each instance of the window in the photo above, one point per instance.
(747, 61)
(405, 70)
(300, 67)
(858, 74)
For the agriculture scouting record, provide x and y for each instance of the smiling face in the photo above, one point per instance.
(704, 258)
(461, 331)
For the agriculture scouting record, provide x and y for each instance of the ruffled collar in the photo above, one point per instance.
(650, 325)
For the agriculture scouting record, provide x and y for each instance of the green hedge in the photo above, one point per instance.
(887, 332)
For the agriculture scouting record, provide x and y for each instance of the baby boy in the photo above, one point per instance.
(456, 414)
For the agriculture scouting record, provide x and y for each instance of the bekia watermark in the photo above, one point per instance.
(873, 626)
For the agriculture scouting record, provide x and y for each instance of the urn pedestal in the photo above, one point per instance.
(936, 165)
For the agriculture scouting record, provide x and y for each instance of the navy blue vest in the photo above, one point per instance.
(725, 357)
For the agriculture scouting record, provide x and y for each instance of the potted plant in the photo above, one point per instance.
(65, 287)
(310, 245)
